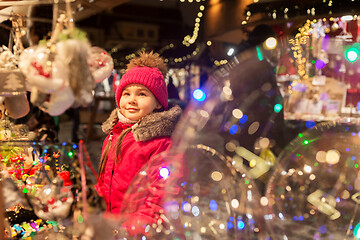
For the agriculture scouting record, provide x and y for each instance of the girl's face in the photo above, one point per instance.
(136, 101)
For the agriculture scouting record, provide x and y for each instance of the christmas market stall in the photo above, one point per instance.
(47, 188)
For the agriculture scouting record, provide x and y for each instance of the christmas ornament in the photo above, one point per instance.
(75, 53)
(314, 191)
(43, 68)
(12, 86)
(53, 202)
(101, 64)
(17, 106)
(59, 101)
(191, 194)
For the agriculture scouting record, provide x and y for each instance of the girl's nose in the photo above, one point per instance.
(132, 99)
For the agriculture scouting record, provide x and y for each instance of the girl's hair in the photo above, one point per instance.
(106, 151)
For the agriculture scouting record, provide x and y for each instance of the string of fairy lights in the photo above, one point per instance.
(300, 44)
(187, 41)
(280, 10)
(290, 9)
(300, 40)
(285, 11)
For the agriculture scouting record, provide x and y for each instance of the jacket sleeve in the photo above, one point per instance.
(162, 181)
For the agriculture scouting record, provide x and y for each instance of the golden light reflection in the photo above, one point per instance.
(321, 156)
(230, 146)
(307, 168)
(211, 224)
(261, 165)
(264, 143)
(187, 207)
(291, 171)
(345, 194)
(252, 163)
(355, 197)
(333, 156)
(238, 162)
(298, 44)
(253, 127)
(235, 203)
(270, 43)
(222, 226)
(325, 205)
(226, 93)
(237, 113)
(216, 176)
(204, 113)
(264, 201)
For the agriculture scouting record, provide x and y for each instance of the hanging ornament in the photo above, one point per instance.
(53, 202)
(59, 101)
(60, 69)
(43, 69)
(82, 83)
(101, 64)
(12, 81)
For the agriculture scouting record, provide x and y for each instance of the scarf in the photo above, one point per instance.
(123, 119)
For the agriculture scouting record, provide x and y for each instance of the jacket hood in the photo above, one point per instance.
(156, 124)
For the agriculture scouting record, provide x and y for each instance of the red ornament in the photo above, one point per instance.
(40, 69)
(56, 155)
(51, 201)
(65, 176)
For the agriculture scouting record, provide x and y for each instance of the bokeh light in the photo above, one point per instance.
(199, 95)
(352, 54)
(270, 43)
(320, 64)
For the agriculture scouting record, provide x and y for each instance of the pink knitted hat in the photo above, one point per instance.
(151, 78)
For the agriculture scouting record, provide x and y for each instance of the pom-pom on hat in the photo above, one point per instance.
(148, 69)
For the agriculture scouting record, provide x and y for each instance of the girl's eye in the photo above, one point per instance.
(125, 94)
(142, 94)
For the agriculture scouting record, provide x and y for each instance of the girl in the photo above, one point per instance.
(138, 130)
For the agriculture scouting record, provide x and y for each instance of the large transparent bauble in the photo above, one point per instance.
(314, 192)
(192, 194)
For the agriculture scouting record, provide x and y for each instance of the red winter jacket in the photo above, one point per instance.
(145, 141)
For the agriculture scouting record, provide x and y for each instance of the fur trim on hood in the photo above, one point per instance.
(156, 124)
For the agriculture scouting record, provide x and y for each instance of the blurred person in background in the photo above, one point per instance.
(262, 127)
